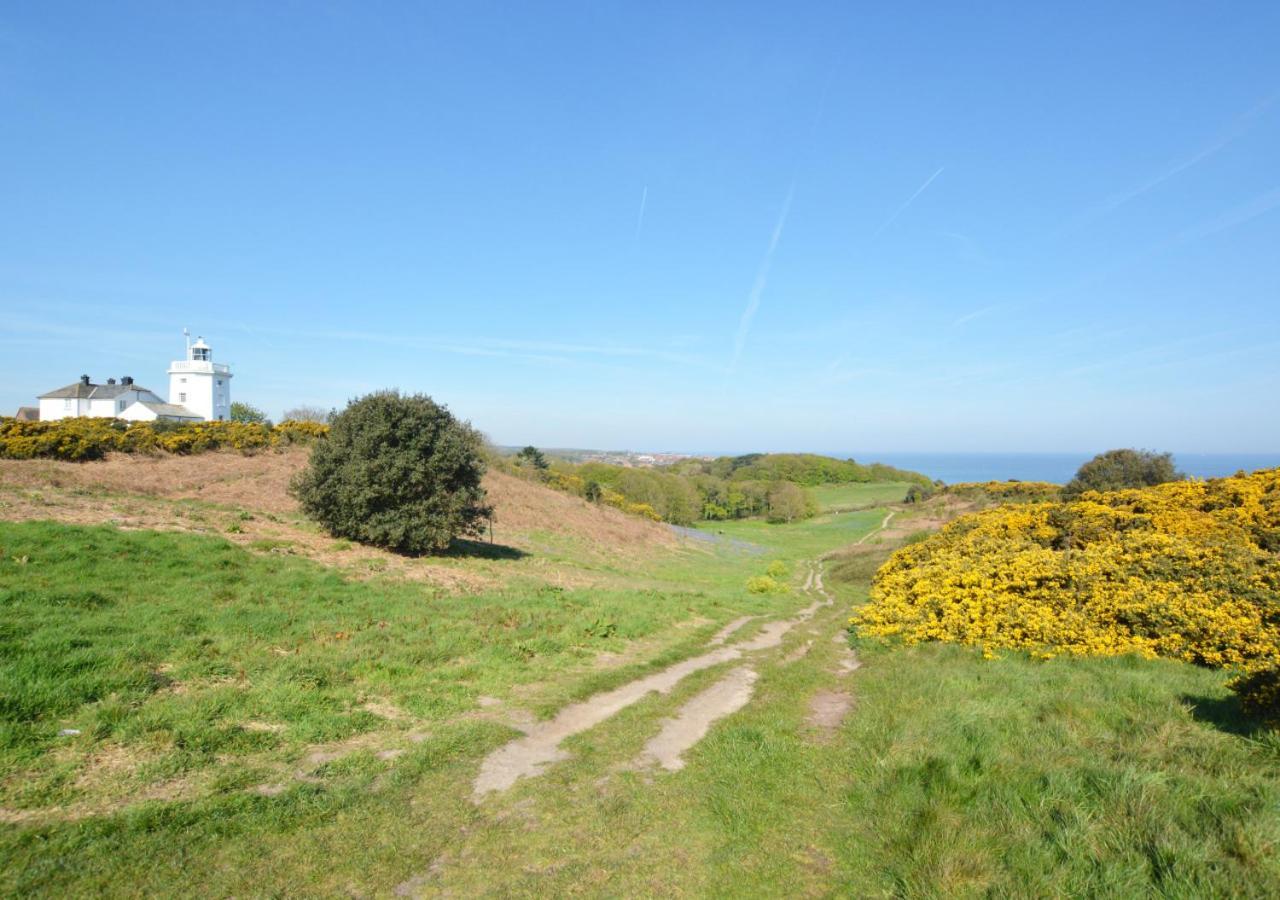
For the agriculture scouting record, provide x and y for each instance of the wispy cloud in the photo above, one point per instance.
(644, 199)
(1239, 127)
(539, 351)
(976, 314)
(1258, 206)
(912, 199)
(762, 281)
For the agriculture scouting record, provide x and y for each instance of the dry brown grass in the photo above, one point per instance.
(246, 500)
(522, 507)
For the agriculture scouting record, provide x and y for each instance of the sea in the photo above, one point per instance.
(1058, 468)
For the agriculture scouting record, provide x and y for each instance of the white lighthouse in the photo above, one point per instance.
(200, 384)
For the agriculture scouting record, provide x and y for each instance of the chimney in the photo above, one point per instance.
(84, 379)
(128, 379)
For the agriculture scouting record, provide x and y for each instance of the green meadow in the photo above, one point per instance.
(249, 723)
(854, 496)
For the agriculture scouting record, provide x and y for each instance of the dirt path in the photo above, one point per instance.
(725, 697)
(870, 534)
(528, 756)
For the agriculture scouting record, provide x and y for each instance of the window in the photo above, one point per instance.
(182, 398)
(219, 382)
(120, 406)
(182, 381)
(66, 405)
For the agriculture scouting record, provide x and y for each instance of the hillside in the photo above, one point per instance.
(245, 499)
(214, 696)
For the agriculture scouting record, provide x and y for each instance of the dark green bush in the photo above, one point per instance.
(1116, 470)
(1259, 693)
(398, 472)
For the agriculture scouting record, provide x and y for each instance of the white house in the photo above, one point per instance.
(199, 389)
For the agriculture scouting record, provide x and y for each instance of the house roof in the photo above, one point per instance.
(77, 391)
(170, 410)
(110, 391)
(91, 391)
(27, 414)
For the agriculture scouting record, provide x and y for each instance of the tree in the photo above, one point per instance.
(916, 494)
(788, 502)
(532, 456)
(1119, 469)
(244, 412)
(398, 472)
(308, 414)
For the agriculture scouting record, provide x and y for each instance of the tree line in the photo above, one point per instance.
(757, 485)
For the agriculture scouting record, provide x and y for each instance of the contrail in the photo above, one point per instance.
(901, 209)
(762, 280)
(1238, 129)
(644, 198)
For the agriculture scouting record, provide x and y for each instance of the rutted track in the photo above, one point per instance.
(540, 746)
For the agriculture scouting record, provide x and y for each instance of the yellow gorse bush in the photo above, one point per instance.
(80, 439)
(1187, 570)
(1010, 491)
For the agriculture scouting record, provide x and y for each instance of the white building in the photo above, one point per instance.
(199, 389)
(200, 384)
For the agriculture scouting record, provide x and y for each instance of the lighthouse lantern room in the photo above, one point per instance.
(200, 384)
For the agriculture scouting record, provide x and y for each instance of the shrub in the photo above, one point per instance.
(1259, 692)
(87, 439)
(917, 494)
(763, 584)
(1119, 469)
(1005, 491)
(247, 412)
(298, 431)
(1179, 570)
(398, 472)
(532, 456)
(777, 569)
(77, 440)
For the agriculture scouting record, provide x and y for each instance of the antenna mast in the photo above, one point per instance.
(187, 334)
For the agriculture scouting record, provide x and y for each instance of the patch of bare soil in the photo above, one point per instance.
(827, 709)
(727, 631)
(529, 755)
(691, 724)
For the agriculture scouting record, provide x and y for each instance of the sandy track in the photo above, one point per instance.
(540, 746)
(725, 697)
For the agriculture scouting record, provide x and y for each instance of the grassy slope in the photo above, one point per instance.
(805, 540)
(848, 496)
(953, 775)
(1075, 777)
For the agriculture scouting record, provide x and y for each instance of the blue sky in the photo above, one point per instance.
(733, 226)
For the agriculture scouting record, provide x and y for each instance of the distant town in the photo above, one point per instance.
(629, 458)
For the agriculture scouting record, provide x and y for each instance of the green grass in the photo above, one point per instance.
(805, 540)
(214, 636)
(1112, 777)
(852, 496)
(952, 776)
